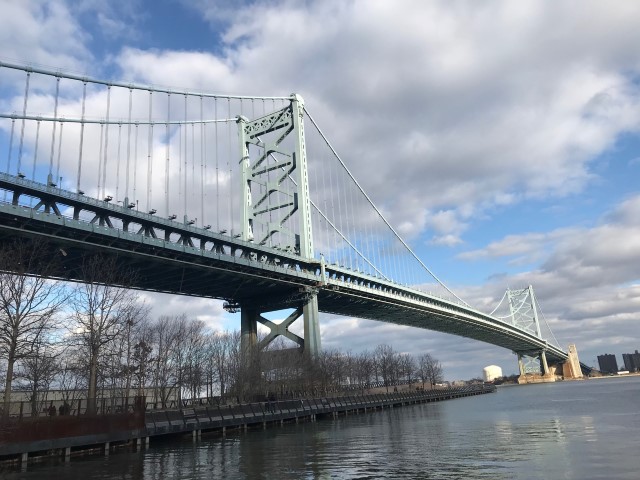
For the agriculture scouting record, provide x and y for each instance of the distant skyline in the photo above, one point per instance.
(501, 139)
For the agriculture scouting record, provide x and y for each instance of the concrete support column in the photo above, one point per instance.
(66, 452)
(311, 318)
(107, 446)
(248, 328)
(543, 361)
(24, 458)
(520, 365)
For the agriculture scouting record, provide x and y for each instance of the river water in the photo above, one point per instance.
(568, 430)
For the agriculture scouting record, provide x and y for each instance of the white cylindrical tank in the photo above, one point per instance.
(491, 372)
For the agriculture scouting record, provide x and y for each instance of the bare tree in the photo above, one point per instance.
(37, 372)
(194, 347)
(364, 369)
(72, 374)
(142, 356)
(101, 310)
(164, 337)
(386, 362)
(28, 304)
(133, 323)
(429, 370)
(407, 367)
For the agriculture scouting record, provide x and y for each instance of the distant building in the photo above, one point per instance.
(491, 372)
(631, 361)
(608, 363)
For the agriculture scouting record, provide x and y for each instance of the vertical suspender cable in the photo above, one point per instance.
(126, 187)
(106, 144)
(229, 156)
(150, 153)
(324, 201)
(118, 160)
(100, 155)
(13, 126)
(180, 128)
(168, 146)
(59, 153)
(380, 213)
(84, 101)
(202, 161)
(135, 166)
(333, 214)
(35, 152)
(193, 166)
(24, 113)
(186, 142)
(215, 114)
(53, 129)
(354, 227)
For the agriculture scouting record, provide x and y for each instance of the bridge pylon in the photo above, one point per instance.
(276, 211)
(524, 315)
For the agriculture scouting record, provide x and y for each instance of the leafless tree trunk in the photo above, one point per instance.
(429, 370)
(37, 372)
(194, 347)
(364, 369)
(386, 362)
(164, 375)
(28, 304)
(407, 367)
(224, 350)
(142, 355)
(101, 310)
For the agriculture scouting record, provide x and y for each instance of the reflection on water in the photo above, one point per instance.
(577, 430)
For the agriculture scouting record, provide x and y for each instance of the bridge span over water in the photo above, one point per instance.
(237, 198)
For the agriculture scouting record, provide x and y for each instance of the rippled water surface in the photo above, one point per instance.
(568, 430)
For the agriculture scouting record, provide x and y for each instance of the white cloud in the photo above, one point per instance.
(442, 115)
(485, 104)
(43, 33)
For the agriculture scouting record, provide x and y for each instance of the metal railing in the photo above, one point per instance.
(73, 407)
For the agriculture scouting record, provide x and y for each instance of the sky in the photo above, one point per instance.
(502, 138)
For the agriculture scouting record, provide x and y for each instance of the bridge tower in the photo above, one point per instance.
(524, 315)
(275, 197)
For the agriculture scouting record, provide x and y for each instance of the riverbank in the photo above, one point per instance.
(205, 419)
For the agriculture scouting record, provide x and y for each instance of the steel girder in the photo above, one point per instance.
(218, 266)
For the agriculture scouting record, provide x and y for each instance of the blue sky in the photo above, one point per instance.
(503, 137)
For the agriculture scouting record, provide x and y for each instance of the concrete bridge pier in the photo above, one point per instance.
(536, 370)
(571, 368)
(248, 328)
(543, 372)
(310, 344)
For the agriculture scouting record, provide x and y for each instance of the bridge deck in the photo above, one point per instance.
(173, 257)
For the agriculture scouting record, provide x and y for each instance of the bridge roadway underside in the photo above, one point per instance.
(406, 312)
(166, 267)
(158, 269)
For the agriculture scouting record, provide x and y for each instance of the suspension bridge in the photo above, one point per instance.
(237, 198)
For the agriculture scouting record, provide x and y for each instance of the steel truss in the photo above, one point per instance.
(524, 315)
(275, 187)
